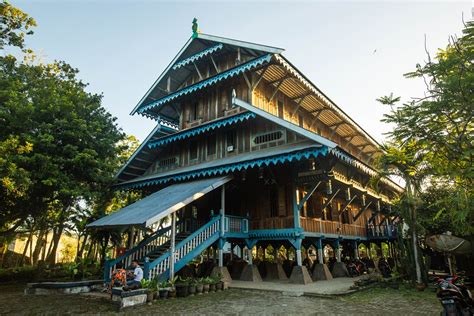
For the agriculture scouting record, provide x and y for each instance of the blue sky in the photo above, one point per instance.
(353, 51)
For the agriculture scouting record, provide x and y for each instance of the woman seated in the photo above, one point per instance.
(119, 277)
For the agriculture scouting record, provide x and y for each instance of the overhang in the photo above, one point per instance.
(160, 204)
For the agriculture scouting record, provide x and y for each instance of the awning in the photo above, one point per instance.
(158, 205)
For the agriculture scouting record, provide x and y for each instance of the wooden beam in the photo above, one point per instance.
(330, 199)
(255, 85)
(347, 205)
(214, 63)
(361, 211)
(248, 81)
(137, 168)
(197, 69)
(308, 195)
(298, 107)
(284, 77)
(276, 89)
(372, 218)
(142, 160)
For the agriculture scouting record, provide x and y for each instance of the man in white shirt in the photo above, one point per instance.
(136, 277)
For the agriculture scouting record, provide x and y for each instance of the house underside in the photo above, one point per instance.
(247, 154)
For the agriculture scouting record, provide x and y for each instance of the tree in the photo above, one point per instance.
(14, 25)
(431, 145)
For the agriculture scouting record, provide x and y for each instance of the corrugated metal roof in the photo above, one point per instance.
(158, 205)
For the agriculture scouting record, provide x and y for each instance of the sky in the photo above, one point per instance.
(353, 51)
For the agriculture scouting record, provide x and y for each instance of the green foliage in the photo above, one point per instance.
(14, 25)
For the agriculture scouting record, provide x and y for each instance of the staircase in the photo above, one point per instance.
(186, 249)
(147, 247)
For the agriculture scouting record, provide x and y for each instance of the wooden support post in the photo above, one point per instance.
(299, 260)
(221, 240)
(362, 211)
(296, 213)
(250, 255)
(172, 245)
(356, 250)
(338, 250)
(308, 195)
(319, 246)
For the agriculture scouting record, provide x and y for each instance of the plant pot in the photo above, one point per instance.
(420, 286)
(149, 296)
(219, 286)
(182, 290)
(212, 287)
(205, 288)
(199, 289)
(172, 293)
(163, 293)
(192, 289)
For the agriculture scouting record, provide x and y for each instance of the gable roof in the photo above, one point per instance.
(193, 49)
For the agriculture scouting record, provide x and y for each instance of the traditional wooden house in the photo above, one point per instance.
(247, 151)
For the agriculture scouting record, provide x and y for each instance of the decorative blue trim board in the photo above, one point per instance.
(197, 56)
(202, 129)
(219, 170)
(208, 82)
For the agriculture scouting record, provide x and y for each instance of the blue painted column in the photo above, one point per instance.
(296, 213)
(319, 247)
(222, 228)
(297, 244)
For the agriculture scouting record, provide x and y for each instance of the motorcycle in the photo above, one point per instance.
(384, 268)
(454, 296)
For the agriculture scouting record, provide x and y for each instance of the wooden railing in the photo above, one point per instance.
(236, 224)
(316, 225)
(382, 231)
(272, 223)
(162, 264)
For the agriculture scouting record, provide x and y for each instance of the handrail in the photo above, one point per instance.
(140, 250)
(162, 264)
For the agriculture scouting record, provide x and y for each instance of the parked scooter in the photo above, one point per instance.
(384, 268)
(454, 296)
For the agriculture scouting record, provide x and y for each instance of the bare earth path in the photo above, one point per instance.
(230, 302)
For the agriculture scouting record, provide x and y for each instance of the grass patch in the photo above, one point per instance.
(410, 295)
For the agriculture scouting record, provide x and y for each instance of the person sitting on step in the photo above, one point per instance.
(119, 277)
(135, 277)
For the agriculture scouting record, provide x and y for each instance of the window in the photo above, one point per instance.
(268, 137)
(211, 144)
(167, 162)
(231, 140)
(193, 150)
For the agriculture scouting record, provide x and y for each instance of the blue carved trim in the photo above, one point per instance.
(219, 170)
(197, 56)
(208, 82)
(276, 233)
(202, 129)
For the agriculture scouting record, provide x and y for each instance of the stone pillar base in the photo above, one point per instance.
(339, 270)
(275, 271)
(321, 272)
(222, 270)
(250, 273)
(300, 275)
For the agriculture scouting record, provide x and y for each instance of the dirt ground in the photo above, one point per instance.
(375, 301)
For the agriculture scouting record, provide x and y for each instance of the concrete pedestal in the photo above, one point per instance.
(222, 270)
(321, 272)
(275, 271)
(250, 273)
(339, 270)
(300, 275)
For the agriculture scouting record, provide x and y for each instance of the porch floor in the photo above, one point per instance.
(336, 286)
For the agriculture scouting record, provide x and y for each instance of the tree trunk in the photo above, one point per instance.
(55, 240)
(80, 250)
(38, 246)
(27, 244)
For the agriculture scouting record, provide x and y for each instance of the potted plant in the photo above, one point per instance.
(172, 287)
(205, 285)
(163, 289)
(146, 284)
(219, 283)
(192, 286)
(182, 287)
(212, 284)
(199, 286)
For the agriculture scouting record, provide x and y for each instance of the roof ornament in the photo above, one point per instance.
(195, 28)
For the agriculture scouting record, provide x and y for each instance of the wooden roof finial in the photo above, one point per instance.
(195, 28)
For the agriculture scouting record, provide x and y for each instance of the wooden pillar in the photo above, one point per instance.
(338, 250)
(221, 241)
(319, 246)
(172, 245)
(296, 213)
(356, 250)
